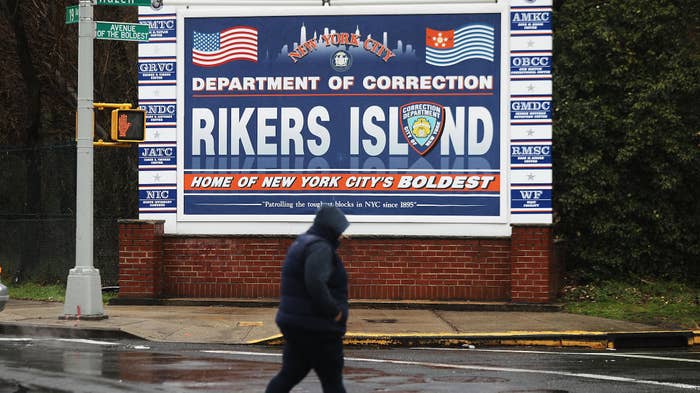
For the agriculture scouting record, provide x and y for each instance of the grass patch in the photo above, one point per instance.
(45, 292)
(664, 304)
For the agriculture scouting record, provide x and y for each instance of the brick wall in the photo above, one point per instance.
(489, 269)
(222, 267)
(430, 269)
(140, 258)
(532, 269)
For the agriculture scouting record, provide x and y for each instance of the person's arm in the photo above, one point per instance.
(318, 268)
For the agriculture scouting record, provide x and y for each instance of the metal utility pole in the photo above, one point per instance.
(84, 289)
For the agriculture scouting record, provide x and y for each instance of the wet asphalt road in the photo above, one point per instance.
(54, 365)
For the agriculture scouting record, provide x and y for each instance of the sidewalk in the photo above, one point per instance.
(227, 321)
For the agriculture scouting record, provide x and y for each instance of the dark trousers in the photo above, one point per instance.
(304, 351)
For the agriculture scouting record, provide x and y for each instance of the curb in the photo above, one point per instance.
(592, 340)
(359, 303)
(572, 339)
(18, 329)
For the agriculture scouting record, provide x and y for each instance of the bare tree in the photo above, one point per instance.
(30, 127)
(38, 56)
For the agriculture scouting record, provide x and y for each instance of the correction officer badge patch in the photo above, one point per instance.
(422, 124)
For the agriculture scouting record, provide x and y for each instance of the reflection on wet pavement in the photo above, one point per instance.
(196, 374)
(131, 369)
(43, 365)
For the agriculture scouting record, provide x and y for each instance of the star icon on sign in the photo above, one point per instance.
(440, 40)
(156, 178)
(530, 176)
(530, 132)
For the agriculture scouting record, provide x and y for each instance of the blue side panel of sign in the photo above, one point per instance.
(531, 154)
(530, 20)
(157, 78)
(158, 199)
(531, 199)
(157, 70)
(157, 155)
(531, 65)
(531, 110)
(160, 28)
(159, 112)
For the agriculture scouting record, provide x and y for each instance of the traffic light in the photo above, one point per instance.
(128, 125)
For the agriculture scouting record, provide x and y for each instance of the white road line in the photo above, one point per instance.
(620, 355)
(530, 371)
(245, 353)
(71, 340)
(496, 369)
(83, 341)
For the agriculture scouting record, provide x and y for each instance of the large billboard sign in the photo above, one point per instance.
(401, 116)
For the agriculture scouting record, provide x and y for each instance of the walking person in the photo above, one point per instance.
(313, 310)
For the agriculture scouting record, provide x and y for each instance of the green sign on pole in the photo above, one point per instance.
(121, 31)
(127, 3)
(72, 14)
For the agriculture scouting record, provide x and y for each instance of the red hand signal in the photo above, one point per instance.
(124, 125)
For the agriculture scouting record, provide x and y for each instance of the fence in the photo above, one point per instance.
(37, 210)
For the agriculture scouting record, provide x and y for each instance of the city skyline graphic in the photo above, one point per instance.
(398, 47)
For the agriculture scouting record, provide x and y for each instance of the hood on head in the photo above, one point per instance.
(331, 220)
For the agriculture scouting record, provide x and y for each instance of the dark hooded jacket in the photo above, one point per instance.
(314, 281)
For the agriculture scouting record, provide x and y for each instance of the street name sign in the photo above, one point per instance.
(121, 31)
(72, 14)
(127, 3)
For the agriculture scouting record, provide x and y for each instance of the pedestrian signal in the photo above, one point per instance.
(128, 125)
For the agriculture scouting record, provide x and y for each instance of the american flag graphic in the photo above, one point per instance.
(234, 43)
(444, 48)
